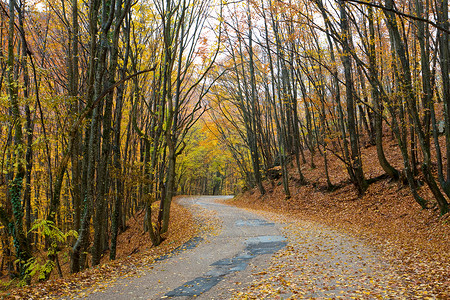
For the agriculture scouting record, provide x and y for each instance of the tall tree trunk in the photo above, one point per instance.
(21, 245)
(119, 190)
(356, 172)
(73, 92)
(100, 220)
(78, 257)
(376, 101)
(253, 106)
(29, 129)
(444, 55)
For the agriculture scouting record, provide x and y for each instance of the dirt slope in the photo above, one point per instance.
(134, 250)
(386, 216)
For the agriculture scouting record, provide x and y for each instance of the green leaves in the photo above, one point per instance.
(55, 238)
(33, 266)
(49, 230)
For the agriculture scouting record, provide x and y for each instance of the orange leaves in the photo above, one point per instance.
(413, 242)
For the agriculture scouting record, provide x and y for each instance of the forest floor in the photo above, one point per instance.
(134, 250)
(244, 255)
(386, 217)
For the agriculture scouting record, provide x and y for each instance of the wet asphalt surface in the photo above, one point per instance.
(208, 267)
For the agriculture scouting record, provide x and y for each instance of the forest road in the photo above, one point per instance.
(265, 256)
(211, 265)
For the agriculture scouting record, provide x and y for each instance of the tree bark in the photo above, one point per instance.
(356, 171)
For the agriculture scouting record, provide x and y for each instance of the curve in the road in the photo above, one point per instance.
(254, 246)
(207, 266)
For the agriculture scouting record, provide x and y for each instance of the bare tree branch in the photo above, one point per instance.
(416, 18)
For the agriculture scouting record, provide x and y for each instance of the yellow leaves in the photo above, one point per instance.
(261, 273)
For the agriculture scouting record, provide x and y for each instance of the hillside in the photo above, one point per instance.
(386, 216)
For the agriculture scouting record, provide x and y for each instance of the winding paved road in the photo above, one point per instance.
(211, 267)
(312, 261)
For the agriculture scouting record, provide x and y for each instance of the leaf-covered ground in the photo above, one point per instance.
(414, 240)
(325, 263)
(134, 251)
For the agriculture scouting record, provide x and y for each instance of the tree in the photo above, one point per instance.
(14, 222)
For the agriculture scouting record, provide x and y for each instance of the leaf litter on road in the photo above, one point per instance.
(326, 263)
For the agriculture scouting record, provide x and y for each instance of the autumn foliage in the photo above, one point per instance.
(112, 107)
